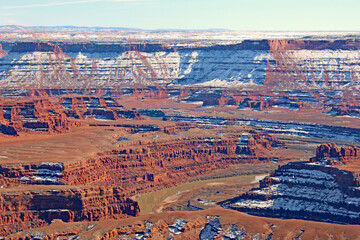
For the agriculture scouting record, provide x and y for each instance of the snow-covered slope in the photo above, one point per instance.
(223, 68)
(214, 68)
(305, 190)
(292, 64)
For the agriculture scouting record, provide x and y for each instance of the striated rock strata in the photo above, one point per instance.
(139, 167)
(271, 63)
(314, 190)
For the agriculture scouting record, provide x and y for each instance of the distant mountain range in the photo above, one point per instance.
(19, 28)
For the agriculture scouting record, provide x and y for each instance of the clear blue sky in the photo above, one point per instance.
(296, 15)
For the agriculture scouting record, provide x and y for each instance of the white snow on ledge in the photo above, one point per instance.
(303, 190)
(224, 83)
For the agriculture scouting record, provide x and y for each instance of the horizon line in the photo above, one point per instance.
(173, 29)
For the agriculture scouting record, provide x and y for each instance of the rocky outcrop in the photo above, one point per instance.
(313, 190)
(332, 154)
(345, 110)
(52, 114)
(97, 107)
(34, 115)
(254, 144)
(2, 52)
(24, 210)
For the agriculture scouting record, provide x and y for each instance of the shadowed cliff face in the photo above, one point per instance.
(271, 63)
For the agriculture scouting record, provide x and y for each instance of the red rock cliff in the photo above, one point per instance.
(22, 210)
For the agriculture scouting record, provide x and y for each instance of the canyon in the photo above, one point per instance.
(91, 128)
(130, 168)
